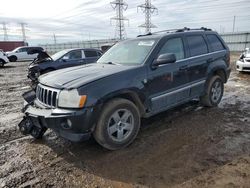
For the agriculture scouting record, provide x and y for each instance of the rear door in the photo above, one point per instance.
(91, 56)
(199, 59)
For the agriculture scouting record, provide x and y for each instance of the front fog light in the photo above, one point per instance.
(66, 124)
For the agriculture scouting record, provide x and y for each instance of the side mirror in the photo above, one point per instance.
(164, 59)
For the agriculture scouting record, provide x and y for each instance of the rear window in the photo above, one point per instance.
(90, 53)
(215, 43)
(197, 45)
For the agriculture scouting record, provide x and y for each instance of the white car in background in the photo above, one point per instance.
(21, 53)
(243, 64)
(3, 58)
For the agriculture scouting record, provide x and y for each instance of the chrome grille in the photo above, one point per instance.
(46, 95)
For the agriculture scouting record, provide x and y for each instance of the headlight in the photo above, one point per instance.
(71, 99)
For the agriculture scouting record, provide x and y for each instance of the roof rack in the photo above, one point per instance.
(177, 30)
(144, 34)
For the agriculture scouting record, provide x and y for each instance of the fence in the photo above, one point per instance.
(236, 42)
(53, 48)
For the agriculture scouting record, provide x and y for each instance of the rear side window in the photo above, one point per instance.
(174, 46)
(215, 43)
(90, 53)
(197, 45)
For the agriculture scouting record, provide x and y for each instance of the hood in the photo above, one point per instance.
(75, 77)
(42, 56)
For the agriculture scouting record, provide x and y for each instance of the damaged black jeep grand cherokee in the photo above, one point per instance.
(136, 78)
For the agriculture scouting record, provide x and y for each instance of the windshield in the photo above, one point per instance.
(58, 55)
(131, 52)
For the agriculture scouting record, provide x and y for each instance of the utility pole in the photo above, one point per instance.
(119, 6)
(148, 9)
(5, 32)
(23, 31)
(234, 23)
(54, 37)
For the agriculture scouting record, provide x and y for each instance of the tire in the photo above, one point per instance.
(118, 124)
(13, 58)
(214, 92)
(2, 62)
(37, 133)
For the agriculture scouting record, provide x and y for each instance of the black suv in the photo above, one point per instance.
(135, 78)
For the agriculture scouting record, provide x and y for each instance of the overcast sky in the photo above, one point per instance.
(74, 20)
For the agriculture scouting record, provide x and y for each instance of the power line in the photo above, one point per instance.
(119, 6)
(148, 9)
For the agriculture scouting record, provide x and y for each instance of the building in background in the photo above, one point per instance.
(11, 45)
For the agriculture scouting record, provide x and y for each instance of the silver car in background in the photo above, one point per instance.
(243, 64)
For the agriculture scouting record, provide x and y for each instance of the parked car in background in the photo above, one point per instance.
(3, 58)
(243, 64)
(62, 59)
(21, 53)
(135, 78)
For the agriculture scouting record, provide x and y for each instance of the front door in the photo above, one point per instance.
(167, 84)
(72, 58)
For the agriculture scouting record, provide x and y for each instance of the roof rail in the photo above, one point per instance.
(176, 30)
(193, 29)
(144, 34)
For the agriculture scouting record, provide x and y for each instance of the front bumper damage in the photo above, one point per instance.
(73, 125)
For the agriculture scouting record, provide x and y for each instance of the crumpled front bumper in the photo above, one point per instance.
(73, 124)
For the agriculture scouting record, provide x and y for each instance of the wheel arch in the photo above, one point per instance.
(130, 95)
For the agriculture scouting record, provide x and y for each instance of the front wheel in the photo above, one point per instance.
(214, 92)
(118, 124)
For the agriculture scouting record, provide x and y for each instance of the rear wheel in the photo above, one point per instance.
(2, 62)
(214, 92)
(118, 124)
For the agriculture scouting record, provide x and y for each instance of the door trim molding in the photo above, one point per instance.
(178, 90)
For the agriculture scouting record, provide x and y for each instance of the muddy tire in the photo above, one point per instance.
(214, 92)
(2, 62)
(118, 124)
(37, 133)
(13, 58)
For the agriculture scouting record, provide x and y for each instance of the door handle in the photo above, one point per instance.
(184, 67)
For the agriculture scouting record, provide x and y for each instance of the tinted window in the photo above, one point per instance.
(197, 45)
(175, 46)
(90, 53)
(215, 42)
(22, 50)
(77, 54)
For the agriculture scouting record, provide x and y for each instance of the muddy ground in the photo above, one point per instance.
(189, 146)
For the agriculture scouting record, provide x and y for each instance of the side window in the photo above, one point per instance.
(197, 45)
(76, 54)
(215, 43)
(175, 46)
(90, 53)
(22, 50)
